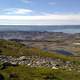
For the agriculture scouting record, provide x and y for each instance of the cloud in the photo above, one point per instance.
(50, 19)
(17, 11)
(26, 1)
(52, 3)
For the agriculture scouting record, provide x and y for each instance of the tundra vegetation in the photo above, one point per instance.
(62, 67)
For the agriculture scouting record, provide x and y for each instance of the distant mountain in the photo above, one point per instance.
(32, 35)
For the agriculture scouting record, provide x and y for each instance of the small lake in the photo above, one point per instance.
(64, 52)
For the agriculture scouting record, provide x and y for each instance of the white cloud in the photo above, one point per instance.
(17, 11)
(45, 17)
(52, 3)
(26, 1)
(51, 19)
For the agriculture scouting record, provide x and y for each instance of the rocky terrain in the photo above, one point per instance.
(39, 56)
(36, 61)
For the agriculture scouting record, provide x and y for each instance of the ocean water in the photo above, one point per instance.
(59, 28)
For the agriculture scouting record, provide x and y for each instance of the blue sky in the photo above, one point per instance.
(41, 12)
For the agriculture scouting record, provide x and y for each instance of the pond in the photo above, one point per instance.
(64, 52)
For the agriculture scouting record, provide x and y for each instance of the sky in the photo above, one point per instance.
(39, 12)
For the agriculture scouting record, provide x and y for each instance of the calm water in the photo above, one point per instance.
(66, 29)
(64, 52)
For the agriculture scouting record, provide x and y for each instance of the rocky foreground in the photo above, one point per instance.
(36, 61)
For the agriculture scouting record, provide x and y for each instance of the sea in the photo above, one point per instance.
(49, 28)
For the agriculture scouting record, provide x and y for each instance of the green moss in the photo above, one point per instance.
(27, 73)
